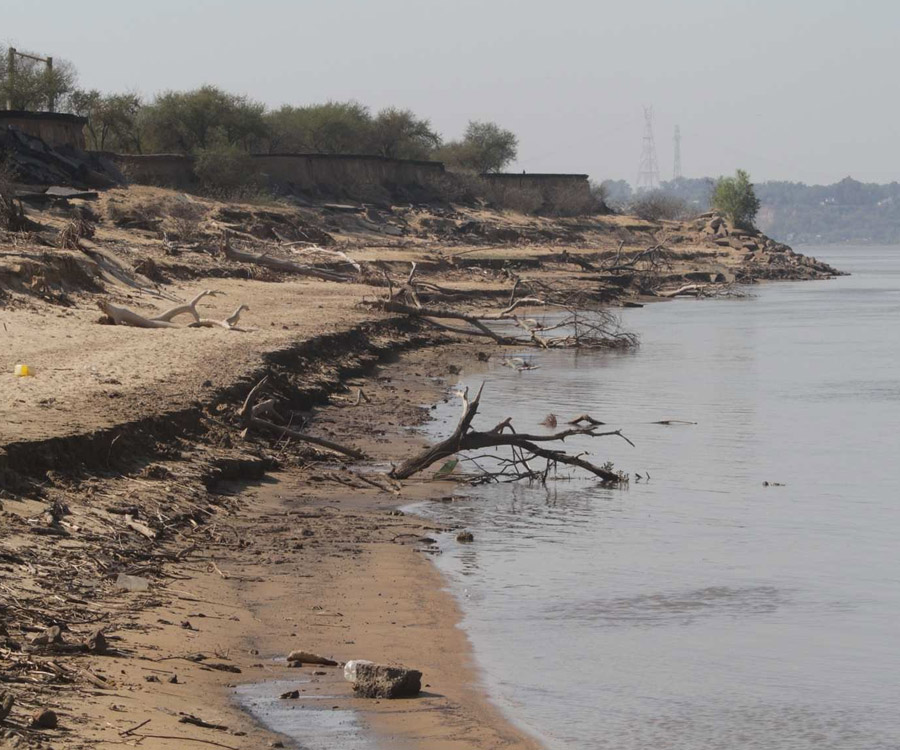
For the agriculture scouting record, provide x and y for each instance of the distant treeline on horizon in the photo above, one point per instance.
(847, 212)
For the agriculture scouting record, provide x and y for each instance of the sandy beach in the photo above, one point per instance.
(156, 552)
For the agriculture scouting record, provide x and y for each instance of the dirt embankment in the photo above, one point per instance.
(124, 463)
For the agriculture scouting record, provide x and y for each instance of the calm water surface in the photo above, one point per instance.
(701, 609)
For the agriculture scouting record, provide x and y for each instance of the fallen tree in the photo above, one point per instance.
(574, 328)
(277, 264)
(524, 448)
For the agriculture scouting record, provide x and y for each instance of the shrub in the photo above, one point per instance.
(734, 197)
(227, 172)
(186, 217)
(655, 205)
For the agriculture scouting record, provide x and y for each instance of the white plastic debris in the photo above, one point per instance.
(350, 668)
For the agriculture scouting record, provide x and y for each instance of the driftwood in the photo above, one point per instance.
(123, 316)
(278, 264)
(692, 290)
(524, 447)
(251, 416)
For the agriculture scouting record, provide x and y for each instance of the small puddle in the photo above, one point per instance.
(309, 721)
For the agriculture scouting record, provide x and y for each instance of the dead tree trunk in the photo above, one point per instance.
(278, 264)
(524, 446)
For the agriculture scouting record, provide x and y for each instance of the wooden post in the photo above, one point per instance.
(10, 77)
(51, 95)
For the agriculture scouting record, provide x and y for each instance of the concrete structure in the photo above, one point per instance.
(335, 172)
(328, 174)
(53, 128)
(551, 186)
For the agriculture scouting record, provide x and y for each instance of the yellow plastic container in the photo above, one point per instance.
(22, 371)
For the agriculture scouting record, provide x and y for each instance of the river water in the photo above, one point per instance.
(700, 608)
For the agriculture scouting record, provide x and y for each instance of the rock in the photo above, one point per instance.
(306, 657)
(97, 643)
(291, 695)
(44, 718)
(350, 668)
(53, 634)
(465, 537)
(377, 681)
(132, 583)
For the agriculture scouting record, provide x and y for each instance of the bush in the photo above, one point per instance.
(186, 218)
(734, 197)
(656, 205)
(227, 172)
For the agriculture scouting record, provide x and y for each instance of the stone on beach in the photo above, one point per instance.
(378, 681)
(307, 657)
(44, 718)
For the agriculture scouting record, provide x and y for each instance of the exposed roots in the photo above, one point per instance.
(263, 415)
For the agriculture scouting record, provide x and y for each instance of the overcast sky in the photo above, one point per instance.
(788, 89)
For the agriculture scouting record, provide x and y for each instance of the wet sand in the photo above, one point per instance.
(310, 564)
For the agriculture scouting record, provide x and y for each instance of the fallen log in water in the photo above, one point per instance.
(524, 448)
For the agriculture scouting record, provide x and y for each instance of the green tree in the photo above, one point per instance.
(112, 119)
(485, 147)
(734, 197)
(399, 134)
(330, 128)
(33, 86)
(186, 121)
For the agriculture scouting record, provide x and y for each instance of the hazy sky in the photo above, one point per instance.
(788, 89)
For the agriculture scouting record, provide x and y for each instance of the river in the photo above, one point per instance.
(701, 608)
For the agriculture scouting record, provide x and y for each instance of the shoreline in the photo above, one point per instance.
(132, 504)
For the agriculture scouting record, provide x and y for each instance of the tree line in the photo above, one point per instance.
(845, 212)
(209, 119)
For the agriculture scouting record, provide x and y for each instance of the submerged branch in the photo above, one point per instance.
(524, 447)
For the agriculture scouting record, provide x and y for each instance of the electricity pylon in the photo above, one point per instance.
(648, 171)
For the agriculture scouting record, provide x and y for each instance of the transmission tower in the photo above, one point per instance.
(648, 171)
(676, 172)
